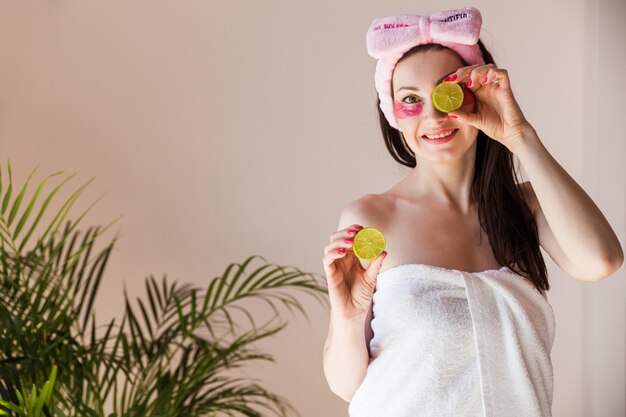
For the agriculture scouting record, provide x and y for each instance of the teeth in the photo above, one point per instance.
(440, 136)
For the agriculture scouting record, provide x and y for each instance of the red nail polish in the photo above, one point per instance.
(447, 78)
(453, 77)
(358, 227)
(469, 82)
(453, 116)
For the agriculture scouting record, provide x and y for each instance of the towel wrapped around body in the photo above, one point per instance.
(454, 343)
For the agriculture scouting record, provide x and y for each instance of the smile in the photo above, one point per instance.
(441, 138)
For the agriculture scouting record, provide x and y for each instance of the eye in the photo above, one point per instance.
(417, 99)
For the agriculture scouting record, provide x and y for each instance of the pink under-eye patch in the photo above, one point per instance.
(403, 110)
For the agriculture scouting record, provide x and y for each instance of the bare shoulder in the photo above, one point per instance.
(371, 210)
(368, 210)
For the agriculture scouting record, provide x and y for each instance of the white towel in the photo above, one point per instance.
(453, 343)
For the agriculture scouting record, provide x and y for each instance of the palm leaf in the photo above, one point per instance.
(172, 350)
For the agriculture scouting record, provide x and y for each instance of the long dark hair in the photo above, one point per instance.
(502, 210)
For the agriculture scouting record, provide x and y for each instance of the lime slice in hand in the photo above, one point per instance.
(447, 97)
(369, 242)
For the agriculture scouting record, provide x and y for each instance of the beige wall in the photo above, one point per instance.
(226, 129)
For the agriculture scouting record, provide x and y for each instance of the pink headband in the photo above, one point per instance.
(388, 38)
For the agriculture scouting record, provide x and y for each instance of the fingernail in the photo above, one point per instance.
(485, 80)
(453, 116)
(358, 227)
(469, 82)
(347, 241)
(453, 77)
(447, 78)
(351, 231)
(342, 250)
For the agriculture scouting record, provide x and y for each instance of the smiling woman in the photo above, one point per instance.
(457, 322)
(502, 210)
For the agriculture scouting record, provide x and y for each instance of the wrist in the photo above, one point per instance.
(355, 320)
(525, 136)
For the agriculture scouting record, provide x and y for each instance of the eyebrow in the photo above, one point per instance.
(417, 89)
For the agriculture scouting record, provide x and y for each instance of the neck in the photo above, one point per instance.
(444, 183)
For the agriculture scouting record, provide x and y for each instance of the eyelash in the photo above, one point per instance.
(413, 102)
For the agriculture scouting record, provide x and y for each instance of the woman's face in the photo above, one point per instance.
(414, 110)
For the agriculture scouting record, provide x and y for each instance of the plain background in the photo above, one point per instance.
(226, 129)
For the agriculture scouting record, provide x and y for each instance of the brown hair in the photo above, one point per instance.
(502, 210)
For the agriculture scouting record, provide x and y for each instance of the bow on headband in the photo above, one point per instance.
(388, 38)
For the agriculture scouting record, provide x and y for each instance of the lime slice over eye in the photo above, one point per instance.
(447, 97)
(368, 243)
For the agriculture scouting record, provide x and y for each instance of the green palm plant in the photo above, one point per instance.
(32, 403)
(169, 355)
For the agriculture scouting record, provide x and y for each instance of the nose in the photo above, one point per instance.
(431, 112)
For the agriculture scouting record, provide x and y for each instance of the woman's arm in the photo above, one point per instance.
(346, 356)
(576, 234)
(572, 228)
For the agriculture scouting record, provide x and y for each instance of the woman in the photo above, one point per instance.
(457, 323)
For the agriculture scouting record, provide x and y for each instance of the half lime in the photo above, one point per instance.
(447, 97)
(368, 243)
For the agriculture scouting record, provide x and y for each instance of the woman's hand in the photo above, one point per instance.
(350, 286)
(497, 112)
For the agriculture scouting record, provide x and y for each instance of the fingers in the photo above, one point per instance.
(373, 268)
(460, 73)
(377, 263)
(477, 76)
(339, 243)
(497, 76)
(348, 231)
(337, 248)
